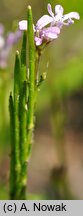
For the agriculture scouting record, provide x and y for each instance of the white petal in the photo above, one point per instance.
(49, 8)
(59, 9)
(73, 15)
(23, 25)
(43, 21)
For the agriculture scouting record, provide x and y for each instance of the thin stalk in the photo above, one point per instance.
(12, 160)
(23, 119)
(30, 121)
(23, 142)
(31, 68)
(16, 125)
(37, 60)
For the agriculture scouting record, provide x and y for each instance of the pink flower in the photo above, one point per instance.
(43, 33)
(57, 18)
(47, 35)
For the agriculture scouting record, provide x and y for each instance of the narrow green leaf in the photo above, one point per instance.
(23, 139)
(12, 159)
(16, 120)
(16, 77)
(23, 50)
(31, 68)
(23, 118)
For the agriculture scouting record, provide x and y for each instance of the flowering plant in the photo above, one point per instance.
(42, 32)
(26, 85)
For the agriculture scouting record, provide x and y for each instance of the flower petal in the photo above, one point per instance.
(23, 25)
(43, 21)
(49, 8)
(54, 29)
(10, 38)
(51, 32)
(59, 10)
(71, 15)
(13, 37)
(70, 21)
(50, 35)
(60, 24)
(38, 41)
(58, 13)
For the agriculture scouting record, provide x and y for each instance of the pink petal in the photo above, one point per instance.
(53, 29)
(58, 13)
(38, 41)
(51, 35)
(73, 15)
(43, 21)
(70, 21)
(51, 32)
(59, 10)
(23, 25)
(49, 8)
(60, 24)
(57, 30)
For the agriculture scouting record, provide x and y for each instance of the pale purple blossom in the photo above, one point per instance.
(57, 17)
(23, 25)
(13, 37)
(6, 44)
(47, 35)
(48, 26)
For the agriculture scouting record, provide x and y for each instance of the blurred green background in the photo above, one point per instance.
(56, 165)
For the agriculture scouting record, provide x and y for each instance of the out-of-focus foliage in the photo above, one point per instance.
(71, 78)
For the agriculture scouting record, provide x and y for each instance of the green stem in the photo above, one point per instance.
(23, 119)
(23, 142)
(37, 60)
(31, 68)
(30, 121)
(22, 113)
(16, 125)
(12, 161)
